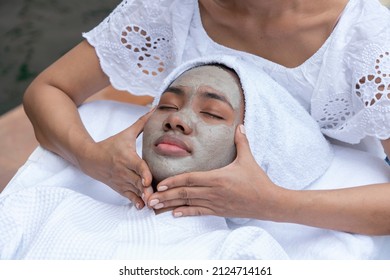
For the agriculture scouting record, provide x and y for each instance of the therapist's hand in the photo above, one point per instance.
(115, 162)
(241, 189)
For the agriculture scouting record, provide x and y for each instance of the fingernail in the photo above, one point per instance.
(159, 206)
(162, 188)
(138, 206)
(242, 129)
(153, 202)
(143, 182)
(149, 190)
(177, 214)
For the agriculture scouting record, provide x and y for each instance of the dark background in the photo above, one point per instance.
(34, 33)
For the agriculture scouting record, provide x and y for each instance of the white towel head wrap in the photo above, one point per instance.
(284, 139)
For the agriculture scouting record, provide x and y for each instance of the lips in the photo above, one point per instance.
(172, 146)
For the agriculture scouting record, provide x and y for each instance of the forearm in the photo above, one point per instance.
(364, 209)
(56, 122)
(52, 98)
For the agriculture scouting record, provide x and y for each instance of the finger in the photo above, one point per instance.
(123, 188)
(147, 192)
(192, 211)
(138, 126)
(182, 202)
(132, 178)
(144, 176)
(136, 200)
(199, 196)
(187, 179)
(242, 143)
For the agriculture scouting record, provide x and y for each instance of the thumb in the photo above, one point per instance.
(138, 126)
(242, 144)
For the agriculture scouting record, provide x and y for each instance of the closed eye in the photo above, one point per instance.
(211, 115)
(167, 107)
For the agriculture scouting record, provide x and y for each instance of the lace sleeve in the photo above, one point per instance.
(352, 100)
(371, 86)
(134, 45)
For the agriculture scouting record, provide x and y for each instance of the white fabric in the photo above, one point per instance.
(355, 55)
(51, 210)
(43, 222)
(101, 119)
(45, 176)
(139, 44)
(285, 141)
(349, 168)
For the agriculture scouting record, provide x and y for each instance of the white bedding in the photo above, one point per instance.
(44, 170)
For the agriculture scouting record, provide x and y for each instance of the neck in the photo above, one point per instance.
(265, 7)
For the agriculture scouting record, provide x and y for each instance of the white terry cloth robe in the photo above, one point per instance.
(58, 223)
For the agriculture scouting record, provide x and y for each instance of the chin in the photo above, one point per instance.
(163, 167)
(161, 173)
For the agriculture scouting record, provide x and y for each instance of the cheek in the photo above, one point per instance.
(216, 146)
(151, 131)
(152, 125)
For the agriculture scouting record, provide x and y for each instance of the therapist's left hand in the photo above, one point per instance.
(241, 189)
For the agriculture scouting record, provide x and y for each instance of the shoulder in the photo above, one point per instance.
(353, 102)
(365, 20)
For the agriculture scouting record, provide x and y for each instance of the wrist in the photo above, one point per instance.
(84, 153)
(281, 205)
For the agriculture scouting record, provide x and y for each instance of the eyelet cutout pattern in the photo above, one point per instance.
(148, 49)
(336, 112)
(374, 88)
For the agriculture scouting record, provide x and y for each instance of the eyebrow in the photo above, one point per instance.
(175, 90)
(210, 95)
(213, 95)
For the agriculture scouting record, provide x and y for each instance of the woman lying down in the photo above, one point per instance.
(58, 214)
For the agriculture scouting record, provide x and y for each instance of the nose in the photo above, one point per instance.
(177, 122)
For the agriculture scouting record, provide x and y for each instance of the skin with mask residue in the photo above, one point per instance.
(192, 128)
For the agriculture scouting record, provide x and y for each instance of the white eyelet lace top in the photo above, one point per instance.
(345, 85)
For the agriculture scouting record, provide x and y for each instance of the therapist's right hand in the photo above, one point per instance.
(115, 162)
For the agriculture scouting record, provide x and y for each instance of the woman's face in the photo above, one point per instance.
(193, 126)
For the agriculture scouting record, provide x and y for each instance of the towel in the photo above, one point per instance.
(285, 140)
